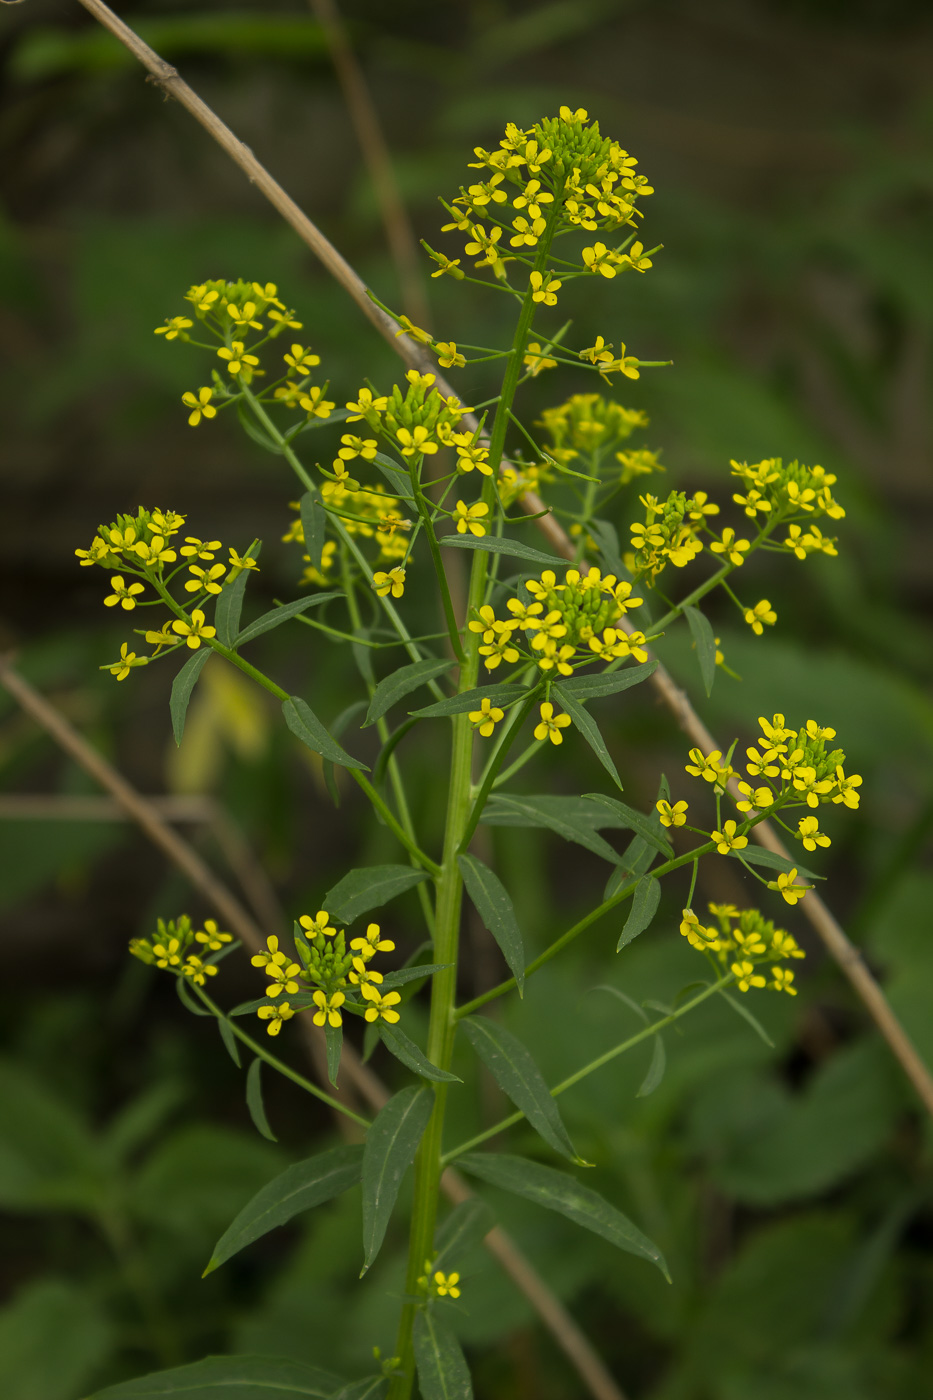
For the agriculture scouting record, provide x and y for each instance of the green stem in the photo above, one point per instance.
(591, 1068)
(518, 719)
(424, 511)
(391, 821)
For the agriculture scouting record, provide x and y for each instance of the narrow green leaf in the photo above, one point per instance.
(562, 1193)
(607, 542)
(396, 475)
(621, 996)
(411, 974)
(494, 907)
(757, 855)
(609, 683)
(339, 725)
(705, 641)
(472, 700)
(464, 1228)
(442, 1370)
(638, 854)
(511, 1065)
(277, 616)
(411, 1056)
(253, 430)
(336, 415)
(512, 548)
(246, 1377)
(313, 521)
(391, 1142)
(573, 818)
(655, 1070)
(388, 749)
(589, 729)
(369, 1388)
(402, 682)
(187, 1000)
(644, 907)
(230, 1041)
(364, 889)
(742, 1010)
(636, 821)
(333, 1036)
(254, 1101)
(298, 1188)
(182, 687)
(229, 603)
(306, 726)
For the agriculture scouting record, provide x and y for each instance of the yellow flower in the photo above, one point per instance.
(193, 548)
(392, 582)
(486, 717)
(173, 328)
(276, 1016)
(212, 936)
(446, 1285)
(201, 407)
(786, 885)
(783, 977)
(733, 548)
(808, 829)
(318, 925)
(239, 563)
(314, 403)
(205, 579)
(726, 840)
(601, 259)
(845, 788)
(754, 799)
(471, 454)
(709, 768)
(301, 360)
(121, 594)
(380, 1005)
(366, 405)
(448, 355)
(357, 447)
(415, 441)
(194, 631)
(635, 258)
(672, 816)
(760, 616)
(373, 942)
(551, 724)
(544, 288)
(415, 332)
(696, 935)
(282, 973)
(128, 659)
(470, 518)
(163, 638)
(244, 317)
(537, 359)
(97, 551)
(198, 970)
(237, 360)
(155, 553)
(746, 976)
(362, 975)
(328, 1008)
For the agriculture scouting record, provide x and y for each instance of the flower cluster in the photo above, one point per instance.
(671, 532)
(746, 943)
(178, 947)
(142, 547)
(566, 625)
(334, 971)
(560, 176)
(591, 426)
(773, 491)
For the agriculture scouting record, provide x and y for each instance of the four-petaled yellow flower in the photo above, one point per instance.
(808, 829)
(318, 925)
(392, 582)
(786, 885)
(471, 518)
(551, 724)
(486, 717)
(783, 978)
(301, 360)
(746, 976)
(239, 563)
(128, 659)
(357, 447)
(695, 933)
(727, 840)
(237, 360)
(380, 1004)
(205, 579)
(201, 407)
(328, 1008)
(537, 359)
(174, 328)
(195, 630)
(372, 942)
(734, 549)
(121, 594)
(446, 1285)
(760, 616)
(672, 816)
(545, 288)
(448, 355)
(276, 1015)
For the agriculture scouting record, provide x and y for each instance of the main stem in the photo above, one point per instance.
(442, 1025)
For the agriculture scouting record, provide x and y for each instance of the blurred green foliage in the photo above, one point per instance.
(789, 1188)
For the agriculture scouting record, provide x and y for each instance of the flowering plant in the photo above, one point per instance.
(537, 639)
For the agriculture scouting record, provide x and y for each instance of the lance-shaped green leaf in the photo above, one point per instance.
(512, 548)
(217, 1377)
(607, 542)
(609, 683)
(391, 1142)
(705, 642)
(589, 729)
(418, 972)
(573, 818)
(257, 1109)
(636, 821)
(757, 855)
(306, 726)
(229, 1040)
(562, 1193)
(333, 1038)
(230, 602)
(465, 1227)
(313, 521)
(638, 854)
(472, 700)
(494, 907)
(411, 1055)
(298, 1188)
(182, 687)
(396, 475)
(364, 889)
(742, 1010)
(277, 616)
(401, 683)
(442, 1370)
(644, 907)
(369, 1388)
(252, 429)
(655, 1070)
(511, 1065)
